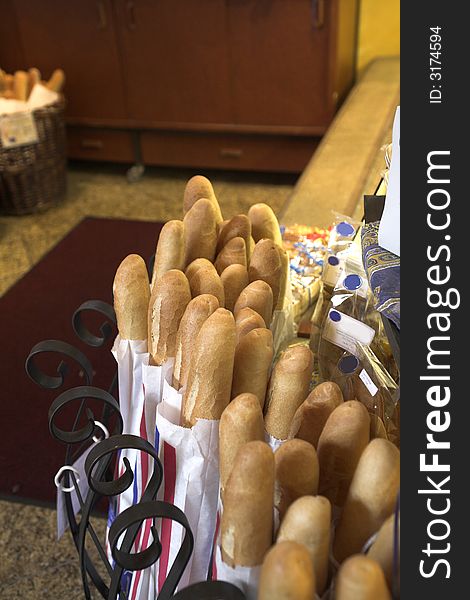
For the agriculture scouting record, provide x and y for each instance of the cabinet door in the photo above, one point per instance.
(79, 37)
(281, 61)
(175, 57)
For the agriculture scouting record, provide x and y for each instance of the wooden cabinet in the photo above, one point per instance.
(239, 84)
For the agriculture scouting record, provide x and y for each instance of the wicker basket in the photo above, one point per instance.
(33, 177)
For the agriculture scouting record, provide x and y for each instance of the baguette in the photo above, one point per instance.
(241, 422)
(131, 291)
(383, 548)
(3, 83)
(266, 264)
(264, 223)
(253, 359)
(308, 521)
(195, 265)
(170, 297)
(312, 415)
(200, 187)
(207, 281)
(284, 279)
(210, 373)
(341, 443)
(360, 577)
(257, 295)
(371, 497)
(287, 573)
(234, 279)
(198, 310)
(238, 226)
(296, 473)
(169, 253)
(200, 232)
(288, 388)
(56, 81)
(34, 77)
(233, 253)
(20, 85)
(247, 519)
(247, 320)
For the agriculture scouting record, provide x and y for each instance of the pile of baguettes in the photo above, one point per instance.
(303, 486)
(18, 86)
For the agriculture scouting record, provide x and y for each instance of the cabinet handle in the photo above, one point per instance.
(231, 152)
(102, 21)
(130, 8)
(92, 144)
(318, 10)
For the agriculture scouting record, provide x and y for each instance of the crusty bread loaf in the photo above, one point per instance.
(198, 310)
(21, 85)
(169, 253)
(238, 226)
(360, 577)
(56, 81)
(247, 320)
(296, 473)
(234, 279)
(341, 443)
(257, 295)
(382, 550)
(264, 223)
(253, 359)
(210, 374)
(371, 497)
(233, 253)
(206, 280)
(247, 519)
(241, 422)
(131, 292)
(308, 521)
(287, 573)
(266, 264)
(195, 265)
(313, 413)
(200, 187)
(288, 388)
(170, 297)
(34, 77)
(200, 232)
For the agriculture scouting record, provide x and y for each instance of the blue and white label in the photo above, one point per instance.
(332, 271)
(344, 331)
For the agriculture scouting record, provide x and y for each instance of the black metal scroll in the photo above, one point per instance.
(99, 469)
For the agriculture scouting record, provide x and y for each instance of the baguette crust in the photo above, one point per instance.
(233, 253)
(266, 264)
(234, 279)
(257, 295)
(131, 291)
(264, 223)
(206, 280)
(200, 232)
(361, 577)
(169, 253)
(200, 187)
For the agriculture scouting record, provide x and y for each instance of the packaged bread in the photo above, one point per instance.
(209, 382)
(296, 473)
(56, 81)
(252, 366)
(200, 187)
(258, 296)
(246, 320)
(308, 522)
(312, 415)
(170, 250)
(206, 280)
(360, 577)
(371, 498)
(266, 264)
(233, 253)
(21, 85)
(200, 231)
(131, 291)
(234, 278)
(340, 446)
(288, 387)
(241, 422)
(247, 520)
(287, 573)
(264, 223)
(382, 549)
(197, 311)
(237, 226)
(168, 301)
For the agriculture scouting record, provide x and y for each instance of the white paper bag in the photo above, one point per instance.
(245, 578)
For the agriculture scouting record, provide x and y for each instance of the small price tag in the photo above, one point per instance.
(18, 129)
(367, 381)
(344, 331)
